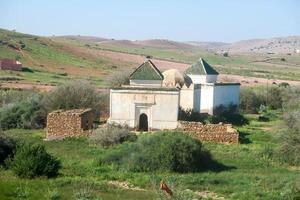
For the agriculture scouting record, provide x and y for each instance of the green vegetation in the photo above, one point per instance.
(7, 147)
(29, 110)
(111, 135)
(27, 113)
(289, 139)
(73, 95)
(170, 152)
(253, 175)
(225, 114)
(32, 160)
(49, 60)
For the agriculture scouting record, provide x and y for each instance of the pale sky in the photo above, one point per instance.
(188, 20)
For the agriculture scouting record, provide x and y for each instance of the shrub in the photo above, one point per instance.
(275, 98)
(284, 84)
(111, 135)
(119, 78)
(289, 149)
(29, 113)
(289, 141)
(32, 160)
(250, 102)
(73, 95)
(14, 96)
(190, 115)
(225, 54)
(228, 114)
(7, 147)
(166, 151)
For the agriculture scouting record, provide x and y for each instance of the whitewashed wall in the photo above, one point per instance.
(161, 107)
(146, 82)
(200, 79)
(226, 95)
(187, 98)
(207, 98)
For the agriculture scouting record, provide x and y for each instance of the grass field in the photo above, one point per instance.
(250, 173)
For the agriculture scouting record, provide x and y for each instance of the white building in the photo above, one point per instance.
(205, 93)
(152, 102)
(145, 104)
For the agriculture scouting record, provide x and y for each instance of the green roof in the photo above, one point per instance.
(146, 71)
(201, 67)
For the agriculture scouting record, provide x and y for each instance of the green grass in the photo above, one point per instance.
(48, 59)
(251, 174)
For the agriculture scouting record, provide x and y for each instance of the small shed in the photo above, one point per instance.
(10, 64)
(69, 123)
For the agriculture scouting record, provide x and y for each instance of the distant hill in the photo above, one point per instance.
(273, 45)
(81, 38)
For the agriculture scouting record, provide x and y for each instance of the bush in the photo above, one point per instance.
(119, 78)
(289, 149)
(228, 114)
(166, 151)
(289, 141)
(275, 98)
(7, 147)
(111, 135)
(14, 96)
(190, 115)
(250, 102)
(73, 95)
(32, 160)
(28, 113)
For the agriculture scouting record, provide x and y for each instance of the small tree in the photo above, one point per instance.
(250, 102)
(275, 98)
(7, 146)
(32, 160)
(73, 95)
(119, 78)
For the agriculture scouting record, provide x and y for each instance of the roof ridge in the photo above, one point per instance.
(201, 59)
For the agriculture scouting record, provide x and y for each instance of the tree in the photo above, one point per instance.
(73, 95)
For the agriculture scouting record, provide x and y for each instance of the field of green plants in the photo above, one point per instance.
(115, 163)
(250, 173)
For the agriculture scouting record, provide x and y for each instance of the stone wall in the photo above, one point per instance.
(223, 133)
(70, 123)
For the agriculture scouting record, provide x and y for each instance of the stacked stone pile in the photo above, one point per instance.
(223, 133)
(70, 123)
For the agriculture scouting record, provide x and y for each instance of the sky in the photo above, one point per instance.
(185, 20)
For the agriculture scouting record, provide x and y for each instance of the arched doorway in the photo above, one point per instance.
(143, 123)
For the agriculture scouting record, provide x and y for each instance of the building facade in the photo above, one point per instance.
(150, 102)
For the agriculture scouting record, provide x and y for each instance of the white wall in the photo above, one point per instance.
(187, 98)
(146, 82)
(226, 95)
(207, 98)
(161, 107)
(201, 79)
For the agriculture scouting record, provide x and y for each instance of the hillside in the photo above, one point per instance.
(263, 65)
(52, 60)
(279, 45)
